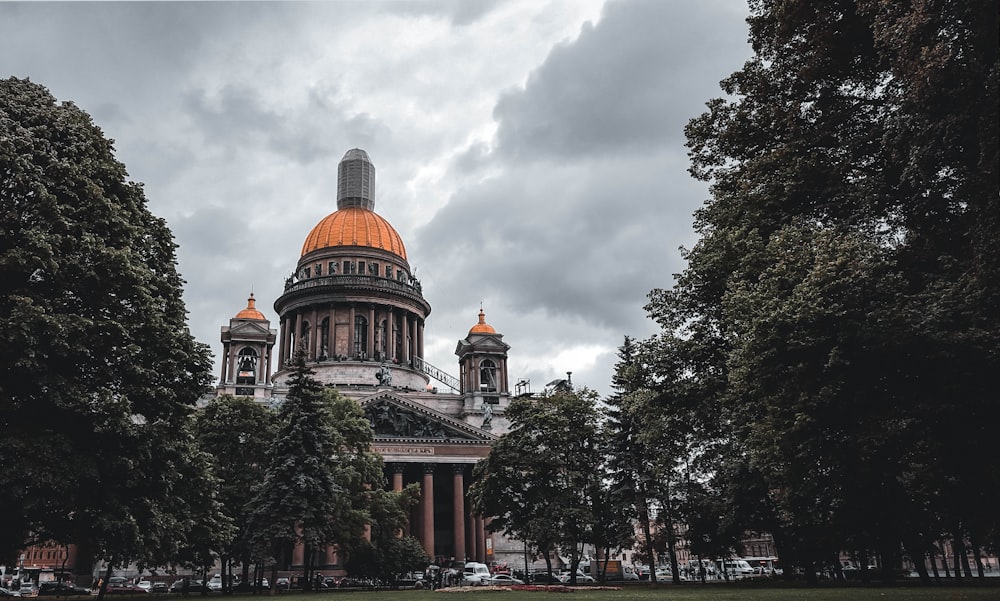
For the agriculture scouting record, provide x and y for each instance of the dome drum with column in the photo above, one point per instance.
(353, 298)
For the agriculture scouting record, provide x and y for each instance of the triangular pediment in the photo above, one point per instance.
(249, 329)
(395, 418)
(482, 344)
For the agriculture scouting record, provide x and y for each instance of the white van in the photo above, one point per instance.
(737, 568)
(475, 574)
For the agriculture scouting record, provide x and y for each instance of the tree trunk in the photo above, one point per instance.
(810, 569)
(957, 548)
(675, 573)
(912, 550)
(647, 534)
(934, 569)
(104, 585)
(245, 575)
(977, 556)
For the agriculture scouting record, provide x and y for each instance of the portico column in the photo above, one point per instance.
(428, 499)
(459, 511)
(480, 539)
(397, 486)
(397, 477)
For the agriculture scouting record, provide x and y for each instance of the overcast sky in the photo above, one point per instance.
(530, 153)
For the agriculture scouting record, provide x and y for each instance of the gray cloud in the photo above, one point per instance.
(529, 153)
(628, 84)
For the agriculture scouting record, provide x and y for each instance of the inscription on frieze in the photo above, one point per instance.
(402, 450)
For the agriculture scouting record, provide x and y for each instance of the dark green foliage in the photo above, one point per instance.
(542, 479)
(317, 470)
(236, 433)
(388, 555)
(839, 314)
(98, 368)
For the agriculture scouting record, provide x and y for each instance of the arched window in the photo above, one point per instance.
(397, 333)
(360, 337)
(487, 376)
(246, 367)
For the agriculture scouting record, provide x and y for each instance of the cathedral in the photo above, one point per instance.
(356, 308)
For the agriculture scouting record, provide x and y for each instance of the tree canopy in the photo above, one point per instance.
(841, 304)
(542, 480)
(99, 370)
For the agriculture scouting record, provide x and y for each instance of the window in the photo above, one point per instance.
(487, 376)
(361, 268)
(348, 267)
(388, 271)
(360, 337)
(319, 269)
(307, 272)
(397, 332)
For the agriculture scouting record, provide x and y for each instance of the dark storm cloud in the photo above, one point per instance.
(628, 84)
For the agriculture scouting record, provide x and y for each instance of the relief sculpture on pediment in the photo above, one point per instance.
(392, 420)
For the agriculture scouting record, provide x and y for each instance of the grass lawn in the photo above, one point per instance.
(670, 593)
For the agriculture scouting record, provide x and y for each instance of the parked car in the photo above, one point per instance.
(6, 592)
(545, 578)
(61, 589)
(192, 585)
(503, 580)
(581, 578)
(159, 587)
(126, 589)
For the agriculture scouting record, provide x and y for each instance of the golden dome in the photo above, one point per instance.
(354, 226)
(482, 327)
(251, 311)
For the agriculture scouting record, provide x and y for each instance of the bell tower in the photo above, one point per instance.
(247, 343)
(482, 361)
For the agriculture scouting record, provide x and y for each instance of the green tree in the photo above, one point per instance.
(629, 459)
(99, 370)
(541, 480)
(236, 433)
(318, 469)
(389, 555)
(844, 288)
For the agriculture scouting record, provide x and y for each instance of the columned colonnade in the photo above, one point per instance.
(442, 521)
(403, 332)
(443, 489)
